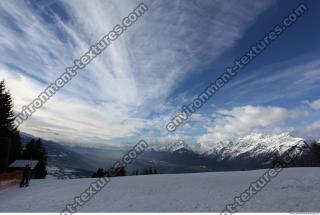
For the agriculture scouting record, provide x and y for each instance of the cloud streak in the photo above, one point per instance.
(115, 95)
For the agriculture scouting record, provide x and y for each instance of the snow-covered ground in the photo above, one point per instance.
(295, 189)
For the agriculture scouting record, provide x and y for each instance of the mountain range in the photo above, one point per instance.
(250, 152)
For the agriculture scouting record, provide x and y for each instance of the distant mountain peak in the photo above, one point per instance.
(253, 144)
(171, 147)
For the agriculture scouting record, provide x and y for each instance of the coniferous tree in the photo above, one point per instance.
(121, 171)
(41, 169)
(315, 149)
(276, 162)
(6, 112)
(150, 171)
(35, 151)
(10, 145)
(114, 172)
(145, 171)
(155, 171)
(100, 173)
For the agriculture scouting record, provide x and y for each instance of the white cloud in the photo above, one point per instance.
(240, 121)
(314, 127)
(115, 95)
(315, 104)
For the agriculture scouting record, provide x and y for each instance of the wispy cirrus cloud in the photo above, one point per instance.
(115, 95)
(296, 78)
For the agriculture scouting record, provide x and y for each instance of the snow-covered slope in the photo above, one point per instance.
(293, 190)
(253, 145)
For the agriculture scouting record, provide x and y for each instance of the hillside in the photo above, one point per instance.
(295, 189)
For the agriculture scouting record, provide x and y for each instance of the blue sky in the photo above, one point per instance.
(161, 63)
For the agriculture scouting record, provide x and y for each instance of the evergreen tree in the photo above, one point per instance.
(35, 151)
(150, 171)
(6, 112)
(10, 145)
(276, 162)
(99, 174)
(114, 172)
(315, 149)
(121, 171)
(145, 171)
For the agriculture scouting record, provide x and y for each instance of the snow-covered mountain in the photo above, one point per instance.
(170, 147)
(253, 145)
(253, 151)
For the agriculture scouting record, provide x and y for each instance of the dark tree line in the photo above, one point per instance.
(122, 172)
(10, 143)
(146, 171)
(113, 172)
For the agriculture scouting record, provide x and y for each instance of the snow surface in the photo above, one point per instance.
(294, 190)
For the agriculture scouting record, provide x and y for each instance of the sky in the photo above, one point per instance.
(170, 55)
